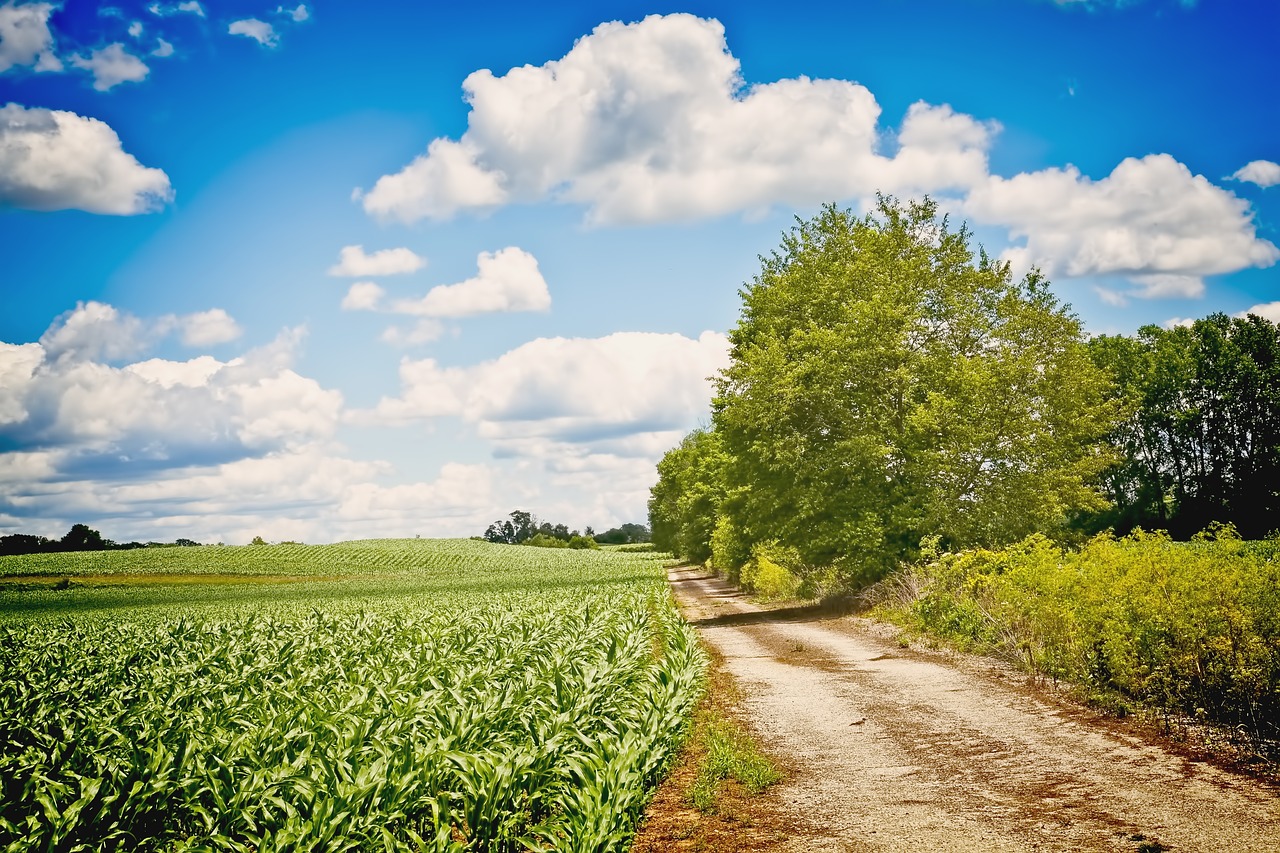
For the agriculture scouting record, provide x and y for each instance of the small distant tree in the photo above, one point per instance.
(81, 537)
(519, 527)
(258, 540)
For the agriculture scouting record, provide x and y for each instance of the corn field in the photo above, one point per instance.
(523, 701)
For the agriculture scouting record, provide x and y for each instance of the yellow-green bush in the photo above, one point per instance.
(1190, 627)
(769, 574)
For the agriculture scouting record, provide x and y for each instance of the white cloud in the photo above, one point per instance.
(135, 29)
(95, 331)
(298, 14)
(18, 363)
(1151, 220)
(567, 390)
(435, 185)
(158, 411)
(650, 122)
(577, 423)
(1264, 173)
(25, 39)
(55, 160)
(1176, 322)
(352, 261)
(207, 328)
(163, 49)
(1266, 310)
(424, 331)
(191, 7)
(111, 66)
(204, 448)
(363, 296)
(260, 31)
(507, 280)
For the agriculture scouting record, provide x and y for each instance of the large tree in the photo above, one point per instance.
(886, 384)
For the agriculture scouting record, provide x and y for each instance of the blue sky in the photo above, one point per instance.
(343, 270)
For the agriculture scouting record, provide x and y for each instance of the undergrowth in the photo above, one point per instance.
(1184, 629)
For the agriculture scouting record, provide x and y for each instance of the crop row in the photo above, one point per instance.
(509, 721)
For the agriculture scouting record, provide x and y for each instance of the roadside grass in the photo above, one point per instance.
(729, 752)
(715, 799)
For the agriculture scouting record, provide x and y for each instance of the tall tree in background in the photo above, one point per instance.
(886, 385)
(1201, 439)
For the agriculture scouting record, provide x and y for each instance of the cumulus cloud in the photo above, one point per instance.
(1150, 220)
(507, 280)
(95, 331)
(135, 29)
(189, 7)
(1266, 310)
(298, 14)
(56, 160)
(651, 121)
(163, 49)
(352, 261)
(568, 390)
(577, 423)
(111, 66)
(204, 448)
(260, 31)
(25, 39)
(158, 412)
(363, 296)
(207, 328)
(1264, 173)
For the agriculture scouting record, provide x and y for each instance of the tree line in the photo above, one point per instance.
(521, 527)
(889, 386)
(80, 537)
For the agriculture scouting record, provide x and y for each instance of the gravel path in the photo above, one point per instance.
(897, 750)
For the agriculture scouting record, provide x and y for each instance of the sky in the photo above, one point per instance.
(344, 270)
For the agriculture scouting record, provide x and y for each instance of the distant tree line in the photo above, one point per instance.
(1198, 437)
(889, 386)
(80, 537)
(524, 528)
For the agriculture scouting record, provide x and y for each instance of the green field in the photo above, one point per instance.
(379, 695)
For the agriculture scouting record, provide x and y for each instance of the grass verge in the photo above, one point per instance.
(716, 799)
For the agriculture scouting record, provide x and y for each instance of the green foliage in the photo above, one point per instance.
(397, 695)
(627, 534)
(730, 754)
(1192, 628)
(885, 383)
(683, 505)
(1200, 442)
(773, 572)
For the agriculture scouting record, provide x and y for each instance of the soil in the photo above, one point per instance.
(893, 748)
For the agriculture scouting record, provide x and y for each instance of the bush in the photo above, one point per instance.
(1191, 628)
(769, 573)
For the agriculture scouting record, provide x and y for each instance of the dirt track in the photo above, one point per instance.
(896, 750)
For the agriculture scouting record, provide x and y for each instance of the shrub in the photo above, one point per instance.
(1191, 628)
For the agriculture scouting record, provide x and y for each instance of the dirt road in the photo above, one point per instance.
(898, 750)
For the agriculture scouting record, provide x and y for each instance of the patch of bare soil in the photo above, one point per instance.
(891, 749)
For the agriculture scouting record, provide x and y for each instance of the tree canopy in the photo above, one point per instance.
(1200, 440)
(886, 384)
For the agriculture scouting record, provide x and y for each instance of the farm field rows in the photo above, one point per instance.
(389, 695)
